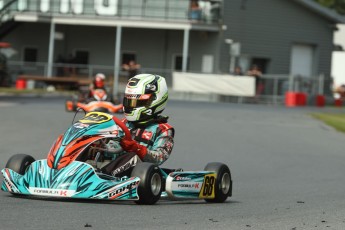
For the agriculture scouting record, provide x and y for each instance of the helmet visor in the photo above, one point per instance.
(136, 100)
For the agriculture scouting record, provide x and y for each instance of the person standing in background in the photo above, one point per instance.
(132, 68)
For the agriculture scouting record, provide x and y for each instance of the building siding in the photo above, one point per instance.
(269, 28)
(265, 29)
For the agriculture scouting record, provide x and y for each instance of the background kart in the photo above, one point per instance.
(72, 170)
(100, 101)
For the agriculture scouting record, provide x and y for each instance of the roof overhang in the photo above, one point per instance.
(323, 11)
(114, 22)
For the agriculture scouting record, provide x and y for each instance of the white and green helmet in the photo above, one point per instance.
(145, 97)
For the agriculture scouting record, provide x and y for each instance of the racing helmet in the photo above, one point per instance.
(99, 80)
(145, 97)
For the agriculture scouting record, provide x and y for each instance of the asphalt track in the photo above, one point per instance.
(288, 169)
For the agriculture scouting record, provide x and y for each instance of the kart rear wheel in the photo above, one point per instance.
(103, 110)
(150, 186)
(19, 163)
(223, 186)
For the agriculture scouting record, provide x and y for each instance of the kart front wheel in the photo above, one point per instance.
(19, 163)
(150, 186)
(70, 106)
(223, 186)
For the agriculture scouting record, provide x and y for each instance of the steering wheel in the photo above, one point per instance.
(123, 127)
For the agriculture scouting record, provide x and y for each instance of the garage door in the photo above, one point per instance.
(302, 59)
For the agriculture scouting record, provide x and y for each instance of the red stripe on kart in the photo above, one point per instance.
(74, 148)
(52, 151)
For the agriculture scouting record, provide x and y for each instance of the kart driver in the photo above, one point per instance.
(97, 83)
(152, 137)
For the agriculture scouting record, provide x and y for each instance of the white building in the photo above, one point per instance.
(338, 57)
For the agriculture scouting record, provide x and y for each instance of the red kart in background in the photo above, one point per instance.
(100, 102)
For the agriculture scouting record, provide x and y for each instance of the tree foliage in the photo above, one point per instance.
(337, 5)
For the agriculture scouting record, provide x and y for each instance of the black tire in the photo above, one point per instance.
(150, 186)
(103, 110)
(19, 163)
(223, 186)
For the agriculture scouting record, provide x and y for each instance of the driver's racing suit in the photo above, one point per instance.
(157, 137)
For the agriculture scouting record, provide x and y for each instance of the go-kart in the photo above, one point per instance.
(99, 101)
(72, 169)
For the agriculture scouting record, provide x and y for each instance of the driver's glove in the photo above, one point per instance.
(132, 146)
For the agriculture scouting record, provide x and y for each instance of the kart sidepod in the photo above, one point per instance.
(76, 180)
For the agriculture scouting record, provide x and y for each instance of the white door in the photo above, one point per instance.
(302, 59)
(338, 68)
(207, 64)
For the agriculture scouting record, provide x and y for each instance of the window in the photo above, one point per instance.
(126, 57)
(262, 63)
(82, 57)
(30, 54)
(178, 62)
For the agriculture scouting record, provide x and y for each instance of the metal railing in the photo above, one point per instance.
(272, 89)
(75, 70)
(209, 12)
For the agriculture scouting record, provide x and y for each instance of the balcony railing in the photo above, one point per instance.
(208, 12)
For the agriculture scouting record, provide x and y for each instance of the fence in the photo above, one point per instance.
(274, 85)
(16, 68)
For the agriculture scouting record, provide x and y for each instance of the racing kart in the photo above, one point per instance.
(72, 170)
(99, 101)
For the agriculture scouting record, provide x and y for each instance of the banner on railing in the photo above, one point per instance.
(214, 83)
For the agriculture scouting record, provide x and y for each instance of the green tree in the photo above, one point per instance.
(341, 6)
(327, 3)
(337, 5)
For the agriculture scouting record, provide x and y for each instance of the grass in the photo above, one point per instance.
(335, 120)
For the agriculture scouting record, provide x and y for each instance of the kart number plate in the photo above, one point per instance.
(95, 117)
(207, 189)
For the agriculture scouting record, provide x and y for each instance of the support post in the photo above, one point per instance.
(117, 61)
(185, 50)
(321, 84)
(51, 50)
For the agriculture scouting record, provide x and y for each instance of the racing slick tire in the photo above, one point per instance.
(103, 110)
(150, 185)
(223, 185)
(19, 163)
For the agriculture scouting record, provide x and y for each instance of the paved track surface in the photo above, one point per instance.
(288, 170)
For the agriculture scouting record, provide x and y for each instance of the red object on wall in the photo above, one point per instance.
(320, 100)
(21, 84)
